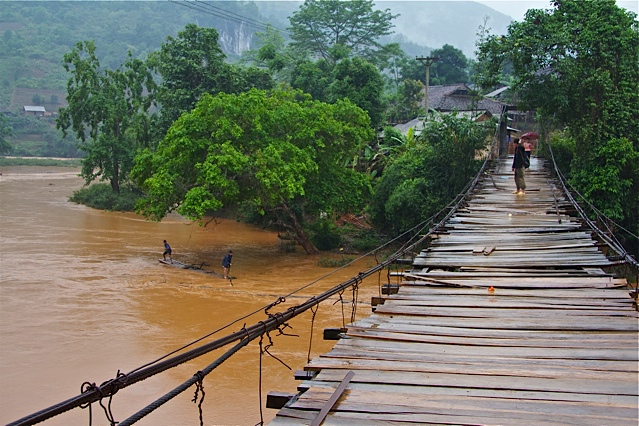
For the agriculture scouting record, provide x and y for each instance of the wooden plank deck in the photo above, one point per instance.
(506, 318)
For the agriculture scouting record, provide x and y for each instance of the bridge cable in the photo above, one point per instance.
(610, 240)
(314, 310)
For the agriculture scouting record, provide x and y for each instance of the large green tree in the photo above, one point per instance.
(577, 63)
(106, 110)
(405, 103)
(192, 64)
(279, 151)
(333, 29)
(452, 66)
(360, 82)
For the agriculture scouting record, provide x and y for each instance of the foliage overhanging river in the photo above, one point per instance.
(82, 295)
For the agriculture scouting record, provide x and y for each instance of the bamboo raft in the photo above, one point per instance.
(508, 318)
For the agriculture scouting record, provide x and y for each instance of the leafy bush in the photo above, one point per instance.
(335, 263)
(325, 235)
(563, 148)
(360, 240)
(101, 196)
(430, 173)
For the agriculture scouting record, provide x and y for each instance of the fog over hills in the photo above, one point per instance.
(430, 24)
(36, 34)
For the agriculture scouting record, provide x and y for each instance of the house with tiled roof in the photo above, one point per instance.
(459, 97)
(456, 98)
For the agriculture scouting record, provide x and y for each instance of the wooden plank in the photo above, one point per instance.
(574, 323)
(502, 302)
(538, 341)
(513, 352)
(522, 383)
(465, 361)
(317, 421)
(426, 392)
(477, 369)
(409, 324)
(422, 409)
(608, 295)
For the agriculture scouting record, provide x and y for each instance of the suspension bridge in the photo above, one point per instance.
(506, 317)
(508, 312)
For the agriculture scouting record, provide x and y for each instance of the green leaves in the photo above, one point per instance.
(5, 130)
(261, 147)
(429, 173)
(331, 28)
(107, 111)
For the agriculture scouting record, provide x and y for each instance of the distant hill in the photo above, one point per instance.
(36, 34)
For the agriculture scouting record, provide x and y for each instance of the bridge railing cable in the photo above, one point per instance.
(608, 238)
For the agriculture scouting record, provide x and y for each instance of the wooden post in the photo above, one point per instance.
(427, 61)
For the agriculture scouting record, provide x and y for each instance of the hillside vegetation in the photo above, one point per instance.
(36, 35)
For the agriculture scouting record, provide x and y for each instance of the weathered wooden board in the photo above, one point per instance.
(408, 407)
(464, 380)
(467, 361)
(536, 341)
(477, 369)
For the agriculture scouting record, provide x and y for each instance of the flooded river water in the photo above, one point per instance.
(83, 296)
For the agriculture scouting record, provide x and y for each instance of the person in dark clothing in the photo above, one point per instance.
(519, 167)
(167, 250)
(226, 263)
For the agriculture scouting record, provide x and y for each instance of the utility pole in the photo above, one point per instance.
(427, 61)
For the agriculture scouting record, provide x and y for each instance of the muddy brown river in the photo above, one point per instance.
(83, 296)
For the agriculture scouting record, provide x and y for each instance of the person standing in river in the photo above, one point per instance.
(226, 263)
(167, 250)
(519, 167)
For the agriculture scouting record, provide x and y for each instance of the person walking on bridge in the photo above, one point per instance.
(519, 167)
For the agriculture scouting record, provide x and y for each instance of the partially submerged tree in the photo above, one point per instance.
(106, 111)
(279, 151)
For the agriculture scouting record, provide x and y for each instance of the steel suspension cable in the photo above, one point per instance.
(610, 241)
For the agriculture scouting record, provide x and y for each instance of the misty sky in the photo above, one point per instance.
(516, 9)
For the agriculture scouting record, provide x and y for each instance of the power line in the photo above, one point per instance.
(209, 9)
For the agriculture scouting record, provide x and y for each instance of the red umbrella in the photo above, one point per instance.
(530, 135)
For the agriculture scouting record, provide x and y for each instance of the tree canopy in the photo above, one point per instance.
(192, 64)
(429, 172)
(106, 111)
(451, 68)
(333, 29)
(279, 151)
